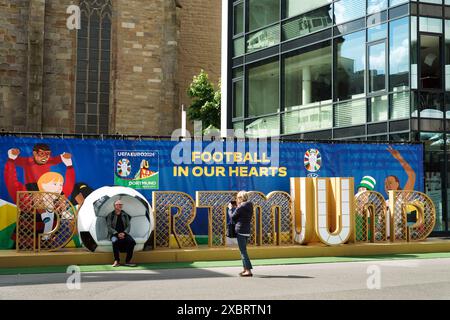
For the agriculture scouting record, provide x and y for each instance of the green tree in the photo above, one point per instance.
(205, 105)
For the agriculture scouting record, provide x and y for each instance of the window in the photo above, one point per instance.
(377, 33)
(307, 23)
(396, 2)
(238, 26)
(350, 52)
(263, 89)
(430, 62)
(263, 13)
(239, 129)
(430, 105)
(308, 77)
(434, 172)
(414, 58)
(447, 109)
(238, 92)
(399, 55)
(350, 113)
(308, 119)
(376, 6)
(430, 25)
(378, 107)
(432, 1)
(377, 66)
(347, 10)
(400, 105)
(399, 137)
(447, 55)
(238, 47)
(263, 38)
(93, 67)
(263, 127)
(238, 98)
(296, 7)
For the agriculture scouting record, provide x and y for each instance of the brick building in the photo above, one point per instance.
(125, 71)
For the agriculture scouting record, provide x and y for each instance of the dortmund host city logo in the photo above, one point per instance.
(137, 169)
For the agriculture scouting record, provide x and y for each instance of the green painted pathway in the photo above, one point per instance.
(216, 264)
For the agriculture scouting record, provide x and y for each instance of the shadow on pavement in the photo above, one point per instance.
(137, 275)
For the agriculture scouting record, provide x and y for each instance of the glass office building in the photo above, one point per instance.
(359, 70)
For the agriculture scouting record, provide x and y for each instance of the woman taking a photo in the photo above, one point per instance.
(243, 217)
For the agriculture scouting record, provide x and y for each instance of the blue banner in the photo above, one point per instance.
(149, 166)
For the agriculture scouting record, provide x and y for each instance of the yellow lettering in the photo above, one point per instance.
(217, 157)
(254, 172)
(206, 157)
(233, 172)
(195, 155)
(264, 171)
(220, 171)
(180, 171)
(229, 156)
(243, 172)
(209, 171)
(197, 171)
(264, 158)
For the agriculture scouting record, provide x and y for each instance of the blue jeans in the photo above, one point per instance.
(242, 243)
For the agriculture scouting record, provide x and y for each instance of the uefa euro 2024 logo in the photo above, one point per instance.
(123, 168)
(313, 162)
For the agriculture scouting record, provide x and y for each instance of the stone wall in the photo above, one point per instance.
(13, 64)
(199, 45)
(59, 69)
(156, 47)
(145, 67)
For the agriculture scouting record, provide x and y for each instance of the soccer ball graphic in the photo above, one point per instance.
(99, 204)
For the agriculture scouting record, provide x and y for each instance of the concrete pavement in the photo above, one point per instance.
(400, 279)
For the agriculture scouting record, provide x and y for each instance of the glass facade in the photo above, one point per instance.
(350, 64)
(399, 54)
(360, 70)
(307, 78)
(263, 89)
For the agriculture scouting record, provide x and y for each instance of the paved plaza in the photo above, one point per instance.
(384, 279)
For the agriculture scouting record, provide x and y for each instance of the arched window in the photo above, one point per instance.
(93, 67)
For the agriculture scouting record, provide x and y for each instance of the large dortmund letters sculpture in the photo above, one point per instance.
(333, 215)
(51, 207)
(303, 203)
(370, 212)
(164, 202)
(273, 230)
(325, 209)
(318, 210)
(425, 210)
(349, 218)
(217, 204)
